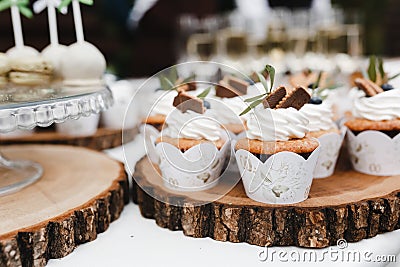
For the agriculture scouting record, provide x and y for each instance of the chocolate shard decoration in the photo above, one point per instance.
(179, 86)
(239, 84)
(223, 89)
(354, 76)
(185, 102)
(273, 99)
(191, 86)
(374, 86)
(306, 72)
(255, 78)
(297, 98)
(182, 88)
(188, 86)
(369, 87)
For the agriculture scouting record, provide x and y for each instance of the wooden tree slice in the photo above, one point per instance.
(80, 193)
(348, 205)
(103, 139)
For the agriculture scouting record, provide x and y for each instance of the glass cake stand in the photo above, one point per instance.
(26, 108)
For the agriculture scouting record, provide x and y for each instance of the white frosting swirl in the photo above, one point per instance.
(320, 116)
(161, 102)
(228, 109)
(383, 106)
(276, 124)
(192, 125)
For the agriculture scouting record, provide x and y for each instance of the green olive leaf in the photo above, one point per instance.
(165, 83)
(372, 68)
(251, 99)
(190, 78)
(394, 76)
(271, 73)
(204, 93)
(316, 84)
(380, 68)
(173, 74)
(263, 81)
(251, 106)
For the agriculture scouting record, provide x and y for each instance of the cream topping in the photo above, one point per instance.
(161, 102)
(228, 109)
(276, 124)
(192, 125)
(320, 116)
(383, 106)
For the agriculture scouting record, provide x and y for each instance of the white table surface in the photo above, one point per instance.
(135, 241)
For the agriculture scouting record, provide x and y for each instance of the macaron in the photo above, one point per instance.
(4, 69)
(30, 71)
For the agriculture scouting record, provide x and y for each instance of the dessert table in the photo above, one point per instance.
(134, 240)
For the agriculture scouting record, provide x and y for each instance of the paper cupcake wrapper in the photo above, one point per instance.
(330, 147)
(284, 178)
(196, 169)
(238, 136)
(374, 153)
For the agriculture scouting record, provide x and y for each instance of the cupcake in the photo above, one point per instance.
(229, 101)
(306, 77)
(373, 132)
(189, 130)
(158, 105)
(277, 158)
(320, 118)
(322, 127)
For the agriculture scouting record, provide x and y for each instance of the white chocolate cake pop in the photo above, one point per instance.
(21, 52)
(53, 53)
(82, 64)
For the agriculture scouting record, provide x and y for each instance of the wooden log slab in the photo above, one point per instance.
(103, 139)
(73, 202)
(348, 205)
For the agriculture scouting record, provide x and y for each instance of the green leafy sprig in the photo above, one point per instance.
(375, 66)
(371, 71)
(166, 84)
(66, 3)
(169, 80)
(205, 93)
(21, 4)
(256, 100)
(317, 90)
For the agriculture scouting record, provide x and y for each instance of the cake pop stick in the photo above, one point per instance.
(77, 16)
(16, 7)
(51, 5)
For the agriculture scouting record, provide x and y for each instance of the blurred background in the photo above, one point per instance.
(141, 37)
